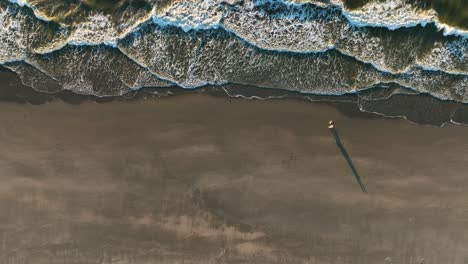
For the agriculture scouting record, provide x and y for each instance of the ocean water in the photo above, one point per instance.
(318, 47)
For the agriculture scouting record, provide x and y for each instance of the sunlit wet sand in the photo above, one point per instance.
(201, 179)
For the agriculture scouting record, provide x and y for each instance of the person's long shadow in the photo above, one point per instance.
(346, 155)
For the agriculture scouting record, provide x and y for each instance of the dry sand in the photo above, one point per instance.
(196, 179)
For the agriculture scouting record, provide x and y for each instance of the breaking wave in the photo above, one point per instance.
(316, 47)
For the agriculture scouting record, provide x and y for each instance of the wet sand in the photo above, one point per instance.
(201, 179)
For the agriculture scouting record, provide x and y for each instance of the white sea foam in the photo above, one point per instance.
(394, 14)
(189, 15)
(38, 14)
(205, 59)
(12, 40)
(95, 28)
(314, 35)
(311, 30)
(295, 30)
(452, 56)
(19, 2)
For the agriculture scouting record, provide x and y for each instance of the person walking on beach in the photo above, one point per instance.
(331, 126)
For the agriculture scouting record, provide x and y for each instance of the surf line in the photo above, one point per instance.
(331, 126)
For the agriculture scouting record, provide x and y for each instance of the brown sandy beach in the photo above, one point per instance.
(198, 179)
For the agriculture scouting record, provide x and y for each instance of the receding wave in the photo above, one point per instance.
(92, 70)
(389, 100)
